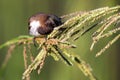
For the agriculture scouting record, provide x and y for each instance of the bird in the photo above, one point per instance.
(42, 24)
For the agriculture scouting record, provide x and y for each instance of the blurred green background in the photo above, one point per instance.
(14, 16)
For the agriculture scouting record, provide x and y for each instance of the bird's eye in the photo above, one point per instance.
(29, 27)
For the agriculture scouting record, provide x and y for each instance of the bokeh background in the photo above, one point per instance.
(14, 16)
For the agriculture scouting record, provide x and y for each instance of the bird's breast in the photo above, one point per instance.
(34, 25)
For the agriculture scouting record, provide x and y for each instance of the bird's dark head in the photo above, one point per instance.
(43, 24)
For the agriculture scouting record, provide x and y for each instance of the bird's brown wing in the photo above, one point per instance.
(53, 21)
(45, 30)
